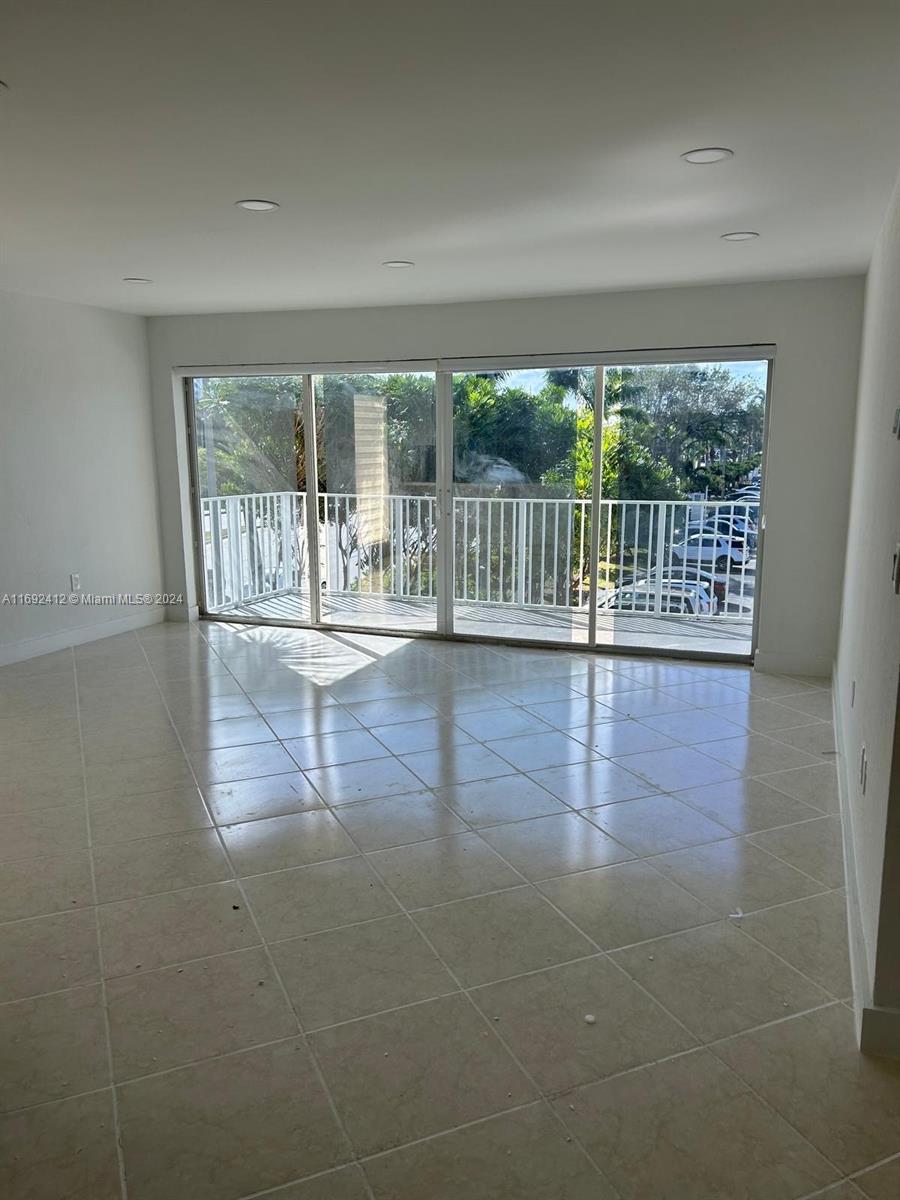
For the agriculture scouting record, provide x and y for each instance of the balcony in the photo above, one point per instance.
(675, 575)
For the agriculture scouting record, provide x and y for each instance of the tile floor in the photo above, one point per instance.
(334, 917)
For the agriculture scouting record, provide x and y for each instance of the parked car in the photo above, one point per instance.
(716, 585)
(674, 596)
(735, 528)
(716, 548)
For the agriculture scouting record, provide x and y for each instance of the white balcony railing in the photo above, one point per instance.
(692, 557)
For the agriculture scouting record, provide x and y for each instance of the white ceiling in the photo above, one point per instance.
(509, 147)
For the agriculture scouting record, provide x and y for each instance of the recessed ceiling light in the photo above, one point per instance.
(707, 154)
(740, 235)
(398, 264)
(257, 205)
(136, 279)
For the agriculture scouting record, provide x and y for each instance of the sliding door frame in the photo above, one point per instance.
(444, 370)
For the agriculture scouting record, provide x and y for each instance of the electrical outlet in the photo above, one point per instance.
(75, 582)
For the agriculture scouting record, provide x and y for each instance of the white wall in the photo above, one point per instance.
(814, 323)
(77, 470)
(869, 652)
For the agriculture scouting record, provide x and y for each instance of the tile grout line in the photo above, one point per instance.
(314, 1059)
(104, 1002)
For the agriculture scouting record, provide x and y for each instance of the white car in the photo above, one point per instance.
(715, 548)
(674, 596)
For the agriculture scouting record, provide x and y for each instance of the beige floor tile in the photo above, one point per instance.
(390, 710)
(155, 931)
(43, 831)
(469, 698)
(32, 887)
(763, 716)
(492, 937)
(228, 1127)
(192, 714)
(757, 754)
(535, 751)
(297, 840)
(159, 773)
(814, 847)
(745, 805)
(306, 722)
(548, 846)
(449, 868)
(811, 1071)
(522, 1155)
(268, 796)
(811, 935)
(648, 702)
(572, 711)
(229, 731)
(542, 1018)
(816, 785)
(330, 749)
(817, 739)
(153, 814)
(61, 1151)
(348, 973)
(674, 770)
(456, 764)
(814, 703)
(241, 762)
(692, 727)
(616, 738)
(309, 899)
(411, 737)
(120, 744)
(587, 784)
(620, 905)
(495, 801)
(688, 1128)
(368, 780)
(377, 824)
(160, 864)
(62, 754)
(501, 723)
(881, 1183)
(44, 954)
(417, 1071)
(167, 1018)
(52, 1047)
(734, 876)
(655, 824)
(717, 981)
(346, 1183)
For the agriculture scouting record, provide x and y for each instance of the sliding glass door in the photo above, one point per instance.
(522, 475)
(250, 485)
(377, 510)
(616, 504)
(679, 520)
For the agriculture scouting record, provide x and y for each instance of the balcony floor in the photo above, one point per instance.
(671, 633)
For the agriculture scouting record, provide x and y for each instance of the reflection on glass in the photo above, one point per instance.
(251, 484)
(522, 464)
(682, 462)
(377, 499)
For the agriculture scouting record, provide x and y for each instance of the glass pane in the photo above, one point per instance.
(522, 455)
(679, 520)
(377, 499)
(251, 483)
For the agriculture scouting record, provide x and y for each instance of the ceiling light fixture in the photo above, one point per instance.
(257, 205)
(136, 279)
(740, 235)
(398, 264)
(707, 154)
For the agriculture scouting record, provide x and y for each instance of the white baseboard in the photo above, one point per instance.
(13, 652)
(877, 1029)
(777, 662)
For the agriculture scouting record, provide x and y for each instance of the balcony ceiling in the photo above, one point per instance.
(508, 148)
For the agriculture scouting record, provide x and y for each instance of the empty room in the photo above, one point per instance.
(450, 600)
